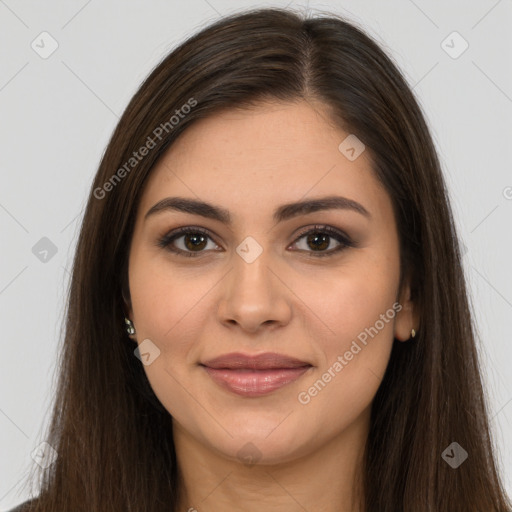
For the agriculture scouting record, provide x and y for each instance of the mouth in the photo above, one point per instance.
(254, 376)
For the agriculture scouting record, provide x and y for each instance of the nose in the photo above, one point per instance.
(254, 295)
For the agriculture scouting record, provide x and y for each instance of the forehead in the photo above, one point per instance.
(261, 157)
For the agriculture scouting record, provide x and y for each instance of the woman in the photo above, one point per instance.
(267, 307)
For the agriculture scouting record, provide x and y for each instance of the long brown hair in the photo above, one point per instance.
(112, 435)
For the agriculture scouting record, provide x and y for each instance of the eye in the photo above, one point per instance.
(195, 240)
(320, 238)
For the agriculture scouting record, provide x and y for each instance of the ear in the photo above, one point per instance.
(408, 316)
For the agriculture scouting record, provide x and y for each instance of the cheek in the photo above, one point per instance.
(168, 310)
(353, 353)
(349, 303)
(353, 365)
(164, 299)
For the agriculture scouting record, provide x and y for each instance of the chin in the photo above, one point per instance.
(267, 445)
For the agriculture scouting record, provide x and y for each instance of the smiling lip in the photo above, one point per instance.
(253, 376)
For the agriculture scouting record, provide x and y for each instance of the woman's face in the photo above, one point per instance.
(270, 279)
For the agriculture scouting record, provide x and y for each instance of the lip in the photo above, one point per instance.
(254, 375)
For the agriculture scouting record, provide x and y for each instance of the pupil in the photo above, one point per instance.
(314, 238)
(195, 244)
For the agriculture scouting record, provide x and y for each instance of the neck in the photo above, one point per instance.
(326, 479)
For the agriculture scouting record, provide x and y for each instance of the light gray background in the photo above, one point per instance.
(58, 113)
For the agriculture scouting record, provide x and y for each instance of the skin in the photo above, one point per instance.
(287, 301)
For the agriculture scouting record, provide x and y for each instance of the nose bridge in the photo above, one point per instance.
(253, 295)
(251, 276)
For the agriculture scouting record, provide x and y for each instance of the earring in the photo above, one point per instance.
(130, 329)
(413, 333)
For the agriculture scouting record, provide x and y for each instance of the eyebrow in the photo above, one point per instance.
(282, 213)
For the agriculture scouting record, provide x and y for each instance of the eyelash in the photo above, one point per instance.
(345, 241)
